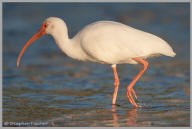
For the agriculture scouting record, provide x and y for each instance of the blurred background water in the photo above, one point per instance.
(49, 87)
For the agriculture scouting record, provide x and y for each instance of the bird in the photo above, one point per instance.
(106, 42)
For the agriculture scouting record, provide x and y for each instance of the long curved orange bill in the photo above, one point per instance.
(37, 35)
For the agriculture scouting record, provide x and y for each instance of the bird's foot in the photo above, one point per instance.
(115, 104)
(131, 92)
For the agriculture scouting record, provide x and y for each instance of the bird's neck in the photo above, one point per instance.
(69, 46)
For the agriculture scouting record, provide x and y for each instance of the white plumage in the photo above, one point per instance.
(106, 42)
(115, 43)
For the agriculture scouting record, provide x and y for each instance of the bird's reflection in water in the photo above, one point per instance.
(115, 117)
(130, 114)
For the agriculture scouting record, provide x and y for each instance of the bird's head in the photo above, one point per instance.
(51, 25)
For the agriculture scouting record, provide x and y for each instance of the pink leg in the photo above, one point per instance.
(116, 84)
(130, 90)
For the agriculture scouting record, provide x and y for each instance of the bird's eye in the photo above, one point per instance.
(45, 25)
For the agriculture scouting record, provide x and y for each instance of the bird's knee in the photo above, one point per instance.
(116, 83)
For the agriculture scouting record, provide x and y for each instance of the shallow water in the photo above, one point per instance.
(51, 89)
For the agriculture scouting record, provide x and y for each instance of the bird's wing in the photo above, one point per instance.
(112, 42)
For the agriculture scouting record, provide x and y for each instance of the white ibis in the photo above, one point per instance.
(106, 42)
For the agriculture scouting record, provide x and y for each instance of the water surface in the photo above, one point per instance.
(50, 89)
